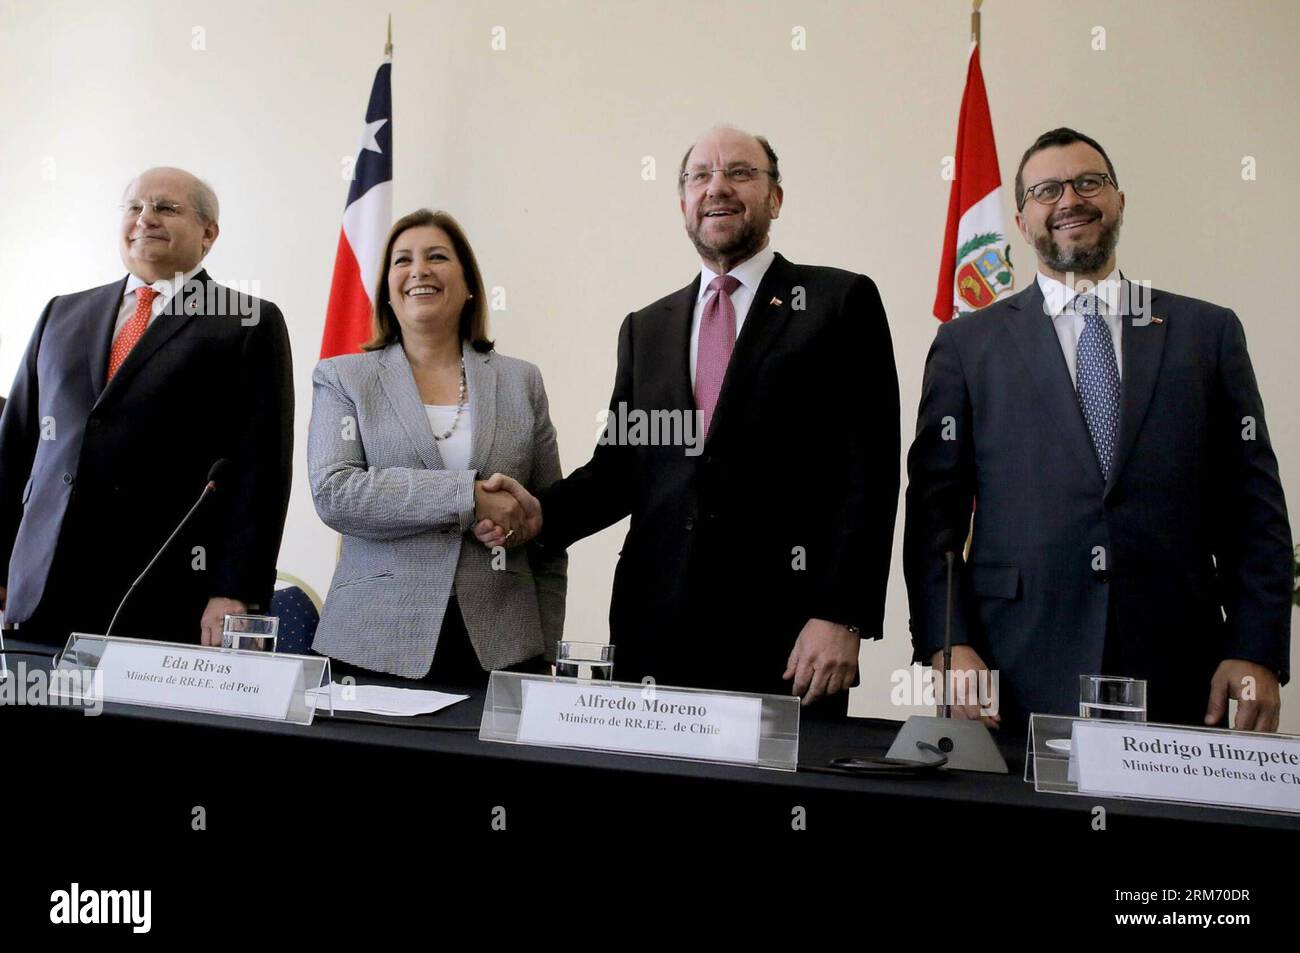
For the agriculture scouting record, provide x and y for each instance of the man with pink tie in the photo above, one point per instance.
(753, 438)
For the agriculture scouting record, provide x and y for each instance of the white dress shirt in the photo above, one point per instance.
(165, 289)
(1058, 298)
(455, 449)
(749, 273)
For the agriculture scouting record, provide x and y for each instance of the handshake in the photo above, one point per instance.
(505, 514)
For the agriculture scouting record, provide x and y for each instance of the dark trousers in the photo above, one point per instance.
(716, 644)
(1178, 687)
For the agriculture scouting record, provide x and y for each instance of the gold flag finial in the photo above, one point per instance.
(388, 47)
(975, 20)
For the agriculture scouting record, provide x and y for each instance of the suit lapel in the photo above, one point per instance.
(481, 384)
(101, 316)
(1143, 346)
(398, 382)
(1034, 338)
(768, 313)
(188, 303)
(680, 314)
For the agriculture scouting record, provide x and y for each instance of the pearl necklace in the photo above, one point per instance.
(460, 405)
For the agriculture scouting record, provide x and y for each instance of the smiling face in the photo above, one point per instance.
(729, 221)
(426, 283)
(1073, 234)
(167, 235)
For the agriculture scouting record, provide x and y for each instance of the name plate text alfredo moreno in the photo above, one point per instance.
(1207, 767)
(258, 685)
(641, 720)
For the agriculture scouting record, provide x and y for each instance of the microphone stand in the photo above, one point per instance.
(207, 491)
(947, 640)
(967, 744)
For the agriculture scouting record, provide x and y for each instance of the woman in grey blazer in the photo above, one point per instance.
(402, 438)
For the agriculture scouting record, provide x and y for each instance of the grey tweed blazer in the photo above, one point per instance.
(377, 478)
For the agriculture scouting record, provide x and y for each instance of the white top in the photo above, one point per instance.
(1058, 298)
(749, 273)
(166, 288)
(455, 449)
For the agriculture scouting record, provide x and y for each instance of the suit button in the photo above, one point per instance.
(690, 524)
(67, 478)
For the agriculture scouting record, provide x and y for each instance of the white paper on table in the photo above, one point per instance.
(383, 700)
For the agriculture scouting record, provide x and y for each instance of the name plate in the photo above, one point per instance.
(1215, 767)
(640, 720)
(250, 684)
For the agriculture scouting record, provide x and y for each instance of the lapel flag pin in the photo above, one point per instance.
(775, 301)
(1155, 320)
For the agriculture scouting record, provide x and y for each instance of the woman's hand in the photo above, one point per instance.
(500, 491)
(500, 508)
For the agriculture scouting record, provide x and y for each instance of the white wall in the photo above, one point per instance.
(538, 150)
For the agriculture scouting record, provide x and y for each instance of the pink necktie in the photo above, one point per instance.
(717, 341)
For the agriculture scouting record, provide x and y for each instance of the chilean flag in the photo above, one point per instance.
(975, 267)
(366, 219)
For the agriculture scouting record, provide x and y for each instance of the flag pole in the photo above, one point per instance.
(388, 47)
(974, 38)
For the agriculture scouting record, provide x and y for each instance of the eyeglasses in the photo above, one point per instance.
(735, 174)
(1049, 192)
(164, 208)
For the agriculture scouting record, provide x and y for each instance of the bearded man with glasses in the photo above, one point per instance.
(1128, 515)
(761, 531)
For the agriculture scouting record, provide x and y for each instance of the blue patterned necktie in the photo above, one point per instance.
(1097, 377)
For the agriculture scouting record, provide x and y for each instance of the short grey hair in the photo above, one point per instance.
(204, 200)
(202, 197)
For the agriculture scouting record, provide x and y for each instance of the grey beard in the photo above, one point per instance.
(1082, 261)
(740, 249)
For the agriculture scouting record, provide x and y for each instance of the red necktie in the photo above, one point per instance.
(717, 341)
(133, 330)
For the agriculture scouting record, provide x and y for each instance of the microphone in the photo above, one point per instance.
(215, 475)
(949, 540)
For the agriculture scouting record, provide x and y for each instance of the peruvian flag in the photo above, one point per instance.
(366, 219)
(975, 267)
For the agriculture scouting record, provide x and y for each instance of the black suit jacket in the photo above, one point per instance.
(787, 513)
(1190, 527)
(94, 476)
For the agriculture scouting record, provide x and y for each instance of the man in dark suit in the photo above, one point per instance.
(1128, 516)
(126, 397)
(760, 540)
